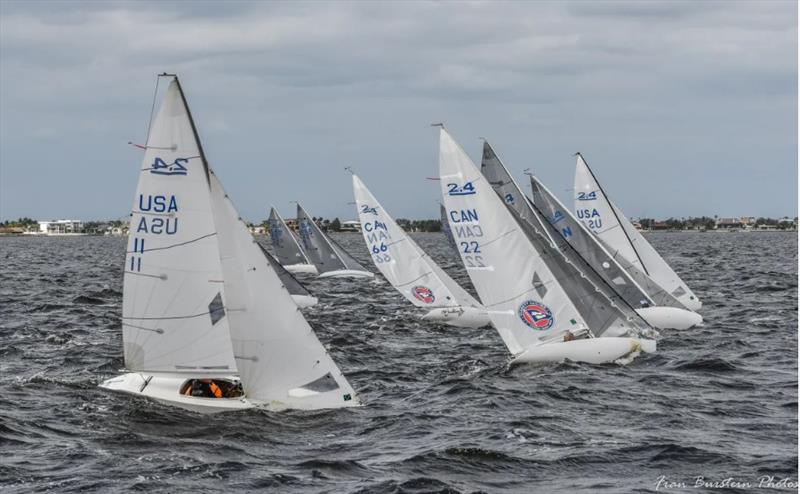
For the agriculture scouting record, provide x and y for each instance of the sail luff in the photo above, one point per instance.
(194, 127)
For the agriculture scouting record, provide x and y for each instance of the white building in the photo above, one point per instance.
(60, 227)
(350, 226)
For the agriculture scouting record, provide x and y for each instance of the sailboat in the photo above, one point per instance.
(656, 306)
(410, 270)
(606, 220)
(203, 311)
(287, 249)
(330, 259)
(602, 308)
(527, 305)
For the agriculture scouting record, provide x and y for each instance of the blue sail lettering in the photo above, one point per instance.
(464, 215)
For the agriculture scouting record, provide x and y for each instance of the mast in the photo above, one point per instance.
(194, 127)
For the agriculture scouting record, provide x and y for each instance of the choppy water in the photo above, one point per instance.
(443, 412)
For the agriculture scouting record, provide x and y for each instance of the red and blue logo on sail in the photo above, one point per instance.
(536, 315)
(423, 294)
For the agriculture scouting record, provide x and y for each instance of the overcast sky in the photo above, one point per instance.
(681, 108)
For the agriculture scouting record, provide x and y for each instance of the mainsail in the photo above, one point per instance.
(522, 297)
(316, 245)
(448, 233)
(404, 264)
(598, 303)
(173, 306)
(284, 243)
(277, 353)
(607, 221)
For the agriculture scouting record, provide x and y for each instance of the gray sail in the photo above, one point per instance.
(316, 245)
(448, 233)
(348, 260)
(632, 284)
(285, 245)
(289, 281)
(598, 304)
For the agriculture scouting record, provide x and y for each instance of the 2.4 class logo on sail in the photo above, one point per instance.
(177, 167)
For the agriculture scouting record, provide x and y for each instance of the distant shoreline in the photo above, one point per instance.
(264, 234)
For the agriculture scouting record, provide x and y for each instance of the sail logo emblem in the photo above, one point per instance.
(536, 315)
(177, 167)
(423, 294)
(366, 209)
(587, 196)
(466, 190)
(557, 216)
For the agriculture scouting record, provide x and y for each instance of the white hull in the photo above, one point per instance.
(461, 317)
(592, 351)
(304, 301)
(347, 273)
(301, 268)
(165, 389)
(670, 317)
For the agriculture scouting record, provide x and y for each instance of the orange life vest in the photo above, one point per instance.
(215, 390)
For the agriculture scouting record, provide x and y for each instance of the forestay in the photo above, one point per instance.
(284, 243)
(278, 355)
(600, 306)
(401, 261)
(524, 301)
(173, 305)
(607, 221)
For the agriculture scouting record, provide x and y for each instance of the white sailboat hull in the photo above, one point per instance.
(347, 273)
(670, 317)
(591, 351)
(304, 301)
(461, 317)
(301, 268)
(165, 389)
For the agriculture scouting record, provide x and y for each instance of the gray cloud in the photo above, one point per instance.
(681, 107)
